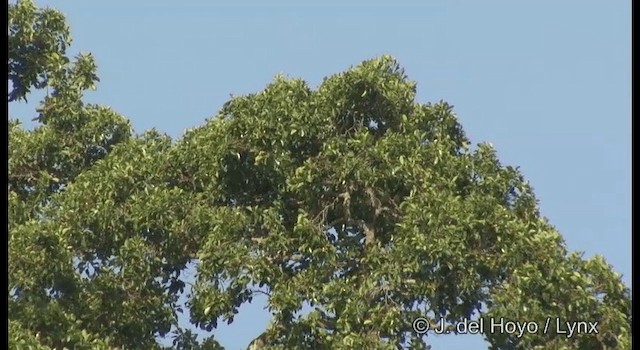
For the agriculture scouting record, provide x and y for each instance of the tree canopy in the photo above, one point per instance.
(352, 198)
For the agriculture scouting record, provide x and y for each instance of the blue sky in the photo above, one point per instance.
(547, 82)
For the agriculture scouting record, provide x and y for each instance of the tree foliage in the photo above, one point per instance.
(353, 199)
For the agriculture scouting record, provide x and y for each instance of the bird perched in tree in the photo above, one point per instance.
(258, 343)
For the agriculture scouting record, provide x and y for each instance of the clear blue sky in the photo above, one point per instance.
(547, 82)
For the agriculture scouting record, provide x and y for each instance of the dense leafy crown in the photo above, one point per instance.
(353, 199)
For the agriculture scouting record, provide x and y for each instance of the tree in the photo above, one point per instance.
(353, 198)
(65, 292)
